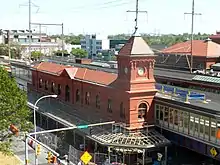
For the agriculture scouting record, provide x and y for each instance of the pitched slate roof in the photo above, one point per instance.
(202, 48)
(136, 46)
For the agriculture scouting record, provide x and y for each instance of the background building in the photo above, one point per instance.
(39, 41)
(205, 54)
(94, 45)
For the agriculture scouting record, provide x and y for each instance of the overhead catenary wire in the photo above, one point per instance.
(104, 5)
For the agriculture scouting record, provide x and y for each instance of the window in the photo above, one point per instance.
(109, 108)
(157, 108)
(87, 98)
(142, 110)
(52, 87)
(46, 85)
(97, 103)
(59, 89)
(40, 83)
(67, 93)
(166, 114)
(122, 110)
(77, 95)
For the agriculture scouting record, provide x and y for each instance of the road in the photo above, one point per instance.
(18, 146)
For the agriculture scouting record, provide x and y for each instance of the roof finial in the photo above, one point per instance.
(136, 19)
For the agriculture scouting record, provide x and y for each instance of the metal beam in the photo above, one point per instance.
(74, 127)
(47, 24)
(43, 145)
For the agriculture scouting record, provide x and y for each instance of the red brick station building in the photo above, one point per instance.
(126, 97)
(130, 97)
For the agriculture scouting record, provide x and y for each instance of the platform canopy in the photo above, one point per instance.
(131, 142)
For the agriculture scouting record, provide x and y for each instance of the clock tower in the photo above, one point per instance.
(135, 76)
(136, 65)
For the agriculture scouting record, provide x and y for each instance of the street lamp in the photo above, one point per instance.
(35, 125)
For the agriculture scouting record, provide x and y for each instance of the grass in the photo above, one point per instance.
(9, 160)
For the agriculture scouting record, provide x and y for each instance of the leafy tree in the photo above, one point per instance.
(36, 55)
(60, 52)
(79, 53)
(15, 50)
(113, 58)
(13, 110)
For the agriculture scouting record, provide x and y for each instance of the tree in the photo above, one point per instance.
(13, 110)
(15, 50)
(79, 53)
(36, 55)
(60, 52)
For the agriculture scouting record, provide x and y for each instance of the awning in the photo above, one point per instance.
(132, 142)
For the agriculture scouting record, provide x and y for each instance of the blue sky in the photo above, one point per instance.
(110, 17)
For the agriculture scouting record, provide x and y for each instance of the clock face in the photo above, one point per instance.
(140, 71)
(126, 70)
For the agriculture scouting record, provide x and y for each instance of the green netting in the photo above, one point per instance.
(207, 79)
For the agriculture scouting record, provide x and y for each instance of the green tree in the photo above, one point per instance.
(15, 50)
(113, 58)
(79, 53)
(36, 55)
(60, 52)
(13, 110)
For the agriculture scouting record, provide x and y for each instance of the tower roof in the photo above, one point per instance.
(136, 47)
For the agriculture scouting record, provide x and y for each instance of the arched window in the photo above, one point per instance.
(67, 93)
(122, 110)
(59, 89)
(40, 83)
(52, 87)
(97, 103)
(77, 95)
(46, 84)
(142, 111)
(87, 98)
(109, 108)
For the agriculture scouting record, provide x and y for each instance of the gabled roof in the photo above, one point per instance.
(204, 48)
(50, 68)
(94, 76)
(136, 47)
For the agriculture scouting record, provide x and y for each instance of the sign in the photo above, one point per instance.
(213, 152)
(159, 156)
(86, 157)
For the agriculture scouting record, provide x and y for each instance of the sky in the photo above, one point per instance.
(105, 17)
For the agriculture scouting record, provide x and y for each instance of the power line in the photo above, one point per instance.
(104, 7)
(98, 4)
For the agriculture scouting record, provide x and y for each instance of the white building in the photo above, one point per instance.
(39, 41)
(93, 44)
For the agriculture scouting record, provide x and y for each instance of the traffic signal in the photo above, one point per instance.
(54, 159)
(49, 157)
(38, 149)
(14, 129)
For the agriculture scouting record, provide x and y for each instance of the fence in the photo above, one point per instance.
(181, 93)
(57, 144)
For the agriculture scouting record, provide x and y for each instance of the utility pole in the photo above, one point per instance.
(40, 36)
(136, 18)
(30, 34)
(62, 41)
(52, 24)
(192, 31)
(9, 47)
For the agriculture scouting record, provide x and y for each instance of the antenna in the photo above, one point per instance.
(136, 18)
(192, 29)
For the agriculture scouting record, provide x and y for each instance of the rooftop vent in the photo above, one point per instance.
(208, 39)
